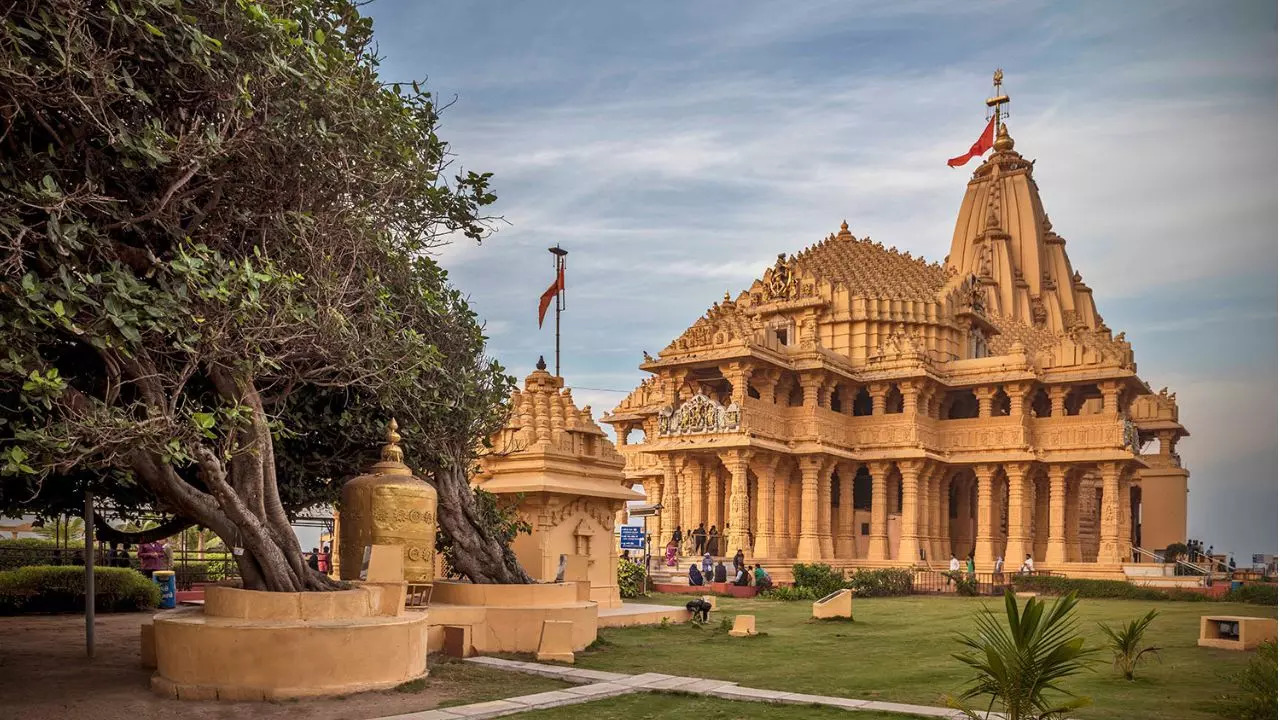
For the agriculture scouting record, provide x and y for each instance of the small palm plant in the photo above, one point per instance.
(1126, 643)
(1019, 664)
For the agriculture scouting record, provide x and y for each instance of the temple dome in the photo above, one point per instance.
(1004, 237)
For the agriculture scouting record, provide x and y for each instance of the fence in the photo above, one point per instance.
(190, 567)
(936, 581)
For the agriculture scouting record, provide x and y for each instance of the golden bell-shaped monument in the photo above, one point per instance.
(388, 505)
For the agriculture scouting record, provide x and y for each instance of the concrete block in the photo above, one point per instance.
(743, 625)
(457, 641)
(711, 599)
(576, 568)
(386, 564)
(838, 604)
(148, 639)
(556, 643)
(1235, 632)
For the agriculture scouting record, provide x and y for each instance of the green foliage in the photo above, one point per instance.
(1126, 643)
(631, 579)
(818, 577)
(216, 225)
(25, 552)
(965, 585)
(1253, 593)
(1118, 589)
(1258, 683)
(886, 582)
(789, 593)
(60, 589)
(65, 531)
(1019, 663)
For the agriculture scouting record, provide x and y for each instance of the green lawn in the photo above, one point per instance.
(662, 706)
(899, 649)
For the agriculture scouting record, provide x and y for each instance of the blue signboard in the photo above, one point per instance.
(632, 537)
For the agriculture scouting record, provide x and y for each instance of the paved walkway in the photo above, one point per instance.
(597, 685)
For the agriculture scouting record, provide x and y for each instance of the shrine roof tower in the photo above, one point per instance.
(1004, 237)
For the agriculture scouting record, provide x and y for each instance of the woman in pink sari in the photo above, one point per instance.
(672, 551)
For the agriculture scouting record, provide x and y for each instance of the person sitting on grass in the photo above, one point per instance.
(695, 577)
(722, 574)
(763, 581)
(699, 606)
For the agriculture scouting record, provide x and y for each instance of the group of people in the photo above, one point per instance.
(320, 560)
(1028, 567)
(697, 541)
(743, 574)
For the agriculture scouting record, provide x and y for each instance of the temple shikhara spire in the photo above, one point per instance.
(863, 407)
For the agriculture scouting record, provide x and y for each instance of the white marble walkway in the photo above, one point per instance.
(596, 685)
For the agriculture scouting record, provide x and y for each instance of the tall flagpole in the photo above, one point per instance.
(559, 254)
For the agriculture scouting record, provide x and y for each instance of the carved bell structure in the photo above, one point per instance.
(388, 505)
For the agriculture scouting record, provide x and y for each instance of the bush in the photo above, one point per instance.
(1254, 593)
(1097, 589)
(819, 577)
(26, 552)
(965, 585)
(881, 583)
(1258, 681)
(792, 593)
(60, 588)
(630, 579)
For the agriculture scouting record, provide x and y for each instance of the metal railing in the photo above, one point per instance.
(190, 567)
(1195, 569)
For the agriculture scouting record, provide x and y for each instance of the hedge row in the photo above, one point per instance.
(60, 588)
(1254, 593)
(1118, 589)
(813, 581)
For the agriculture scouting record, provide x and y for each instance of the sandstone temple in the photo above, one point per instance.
(863, 407)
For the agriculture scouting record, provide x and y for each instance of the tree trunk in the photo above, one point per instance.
(478, 555)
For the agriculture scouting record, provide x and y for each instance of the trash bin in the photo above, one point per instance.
(168, 588)
(1236, 585)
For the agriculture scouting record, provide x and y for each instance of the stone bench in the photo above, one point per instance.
(1235, 632)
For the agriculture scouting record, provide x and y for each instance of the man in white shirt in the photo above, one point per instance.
(954, 567)
(999, 565)
(1028, 566)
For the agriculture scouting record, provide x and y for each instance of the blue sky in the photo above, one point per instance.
(675, 148)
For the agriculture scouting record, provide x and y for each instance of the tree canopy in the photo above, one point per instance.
(215, 280)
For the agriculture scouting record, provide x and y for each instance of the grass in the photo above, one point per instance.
(661, 706)
(899, 650)
(467, 683)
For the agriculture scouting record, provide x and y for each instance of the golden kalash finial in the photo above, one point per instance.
(391, 452)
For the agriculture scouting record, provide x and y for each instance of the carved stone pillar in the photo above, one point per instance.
(765, 465)
(910, 398)
(1019, 544)
(844, 544)
(1072, 515)
(1017, 400)
(1110, 397)
(944, 518)
(810, 383)
(735, 461)
(878, 547)
(781, 501)
(670, 501)
(715, 502)
(879, 393)
(793, 516)
(1111, 545)
(937, 506)
(810, 549)
(984, 549)
(984, 395)
(824, 512)
(620, 431)
(909, 527)
(697, 495)
(1057, 549)
(1058, 400)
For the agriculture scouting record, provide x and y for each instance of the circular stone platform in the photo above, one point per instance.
(249, 645)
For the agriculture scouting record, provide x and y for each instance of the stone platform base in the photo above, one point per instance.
(508, 618)
(247, 645)
(630, 614)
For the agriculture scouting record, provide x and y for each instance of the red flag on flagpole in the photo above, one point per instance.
(550, 295)
(982, 145)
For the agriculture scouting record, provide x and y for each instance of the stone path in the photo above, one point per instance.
(597, 685)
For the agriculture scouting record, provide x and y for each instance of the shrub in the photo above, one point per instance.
(965, 585)
(783, 592)
(881, 583)
(1126, 643)
(1255, 593)
(25, 552)
(821, 578)
(630, 579)
(1054, 585)
(1258, 681)
(60, 588)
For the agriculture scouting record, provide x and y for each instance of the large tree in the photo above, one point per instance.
(215, 284)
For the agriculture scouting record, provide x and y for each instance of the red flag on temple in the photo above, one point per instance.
(982, 145)
(550, 295)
